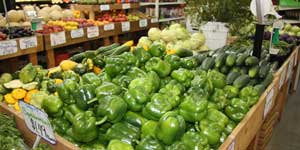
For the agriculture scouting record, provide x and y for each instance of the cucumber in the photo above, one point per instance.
(241, 81)
(231, 77)
(252, 82)
(200, 58)
(184, 52)
(253, 71)
(208, 63)
(269, 78)
(89, 54)
(119, 50)
(264, 70)
(107, 48)
(230, 60)
(225, 69)
(241, 59)
(77, 57)
(220, 60)
(251, 61)
(235, 69)
(260, 88)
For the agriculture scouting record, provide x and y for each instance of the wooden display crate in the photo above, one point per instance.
(28, 136)
(31, 52)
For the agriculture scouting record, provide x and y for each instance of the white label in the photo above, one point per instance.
(232, 145)
(143, 23)
(296, 58)
(37, 122)
(269, 101)
(154, 20)
(31, 13)
(28, 42)
(109, 27)
(282, 77)
(58, 38)
(92, 32)
(290, 69)
(125, 6)
(274, 51)
(278, 24)
(104, 7)
(125, 26)
(77, 33)
(8, 47)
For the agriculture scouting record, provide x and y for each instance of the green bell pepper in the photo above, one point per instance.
(174, 61)
(98, 61)
(158, 106)
(92, 146)
(214, 115)
(51, 86)
(148, 129)
(202, 81)
(250, 94)
(162, 68)
(60, 125)
(123, 131)
(194, 140)
(119, 145)
(219, 98)
(172, 88)
(189, 62)
(229, 127)
(107, 88)
(71, 111)
(112, 108)
(84, 127)
(231, 91)
(171, 127)
(66, 90)
(136, 98)
(218, 79)
(136, 72)
(178, 145)
(115, 65)
(71, 75)
(52, 104)
(212, 133)
(122, 80)
(83, 94)
(157, 50)
(134, 119)
(142, 55)
(150, 83)
(149, 143)
(104, 77)
(91, 78)
(193, 109)
(183, 76)
(237, 109)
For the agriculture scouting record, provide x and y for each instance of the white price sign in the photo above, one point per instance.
(274, 51)
(37, 122)
(125, 26)
(282, 77)
(154, 20)
(58, 38)
(28, 42)
(92, 32)
(8, 47)
(125, 6)
(31, 13)
(232, 145)
(104, 7)
(269, 101)
(290, 69)
(109, 27)
(78, 33)
(143, 23)
(296, 57)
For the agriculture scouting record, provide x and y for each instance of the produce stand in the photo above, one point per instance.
(27, 48)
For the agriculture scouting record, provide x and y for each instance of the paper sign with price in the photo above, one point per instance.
(28, 42)
(143, 23)
(8, 47)
(269, 102)
(125, 26)
(154, 20)
(109, 27)
(37, 122)
(125, 6)
(104, 7)
(58, 38)
(92, 32)
(78, 33)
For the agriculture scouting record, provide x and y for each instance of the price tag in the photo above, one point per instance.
(28, 42)
(125, 26)
(269, 101)
(31, 13)
(92, 32)
(154, 20)
(296, 58)
(126, 6)
(37, 122)
(143, 23)
(58, 38)
(290, 69)
(8, 47)
(282, 77)
(109, 27)
(274, 51)
(278, 24)
(77, 33)
(232, 145)
(104, 7)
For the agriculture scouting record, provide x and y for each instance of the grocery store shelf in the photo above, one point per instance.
(171, 3)
(146, 3)
(170, 19)
(291, 21)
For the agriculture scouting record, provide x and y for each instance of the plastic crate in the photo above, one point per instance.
(216, 34)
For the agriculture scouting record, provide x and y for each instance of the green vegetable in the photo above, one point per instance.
(174, 61)
(119, 145)
(264, 70)
(98, 61)
(253, 71)
(219, 98)
(66, 90)
(52, 104)
(157, 50)
(107, 48)
(106, 89)
(3, 90)
(136, 72)
(120, 50)
(142, 55)
(220, 60)
(231, 91)
(28, 73)
(194, 140)
(148, 129)
(269, 78)
(171, 127)
(5, 77)
(60, 125)
(136, 98)
(71, 75)
(193, 109)
(162, 68)
(218, 79)
(123, 131)
(80, 69)
(91, 78)
(230, 60)
(250, 95)
(37, 98)
(241, 59)
(241, 81)
(122, 80)
(83, 94)
(183, 76)
(251, 61)
(208, 63)
(149, 143)
(237, 109)
(181, 52)
(231, 77)
(134, 119)
(77, 57)
(189, 62)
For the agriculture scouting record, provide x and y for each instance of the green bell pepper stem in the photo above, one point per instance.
(101, 121)
(92, 100)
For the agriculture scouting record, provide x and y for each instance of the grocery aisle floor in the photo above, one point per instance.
(286, 135)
